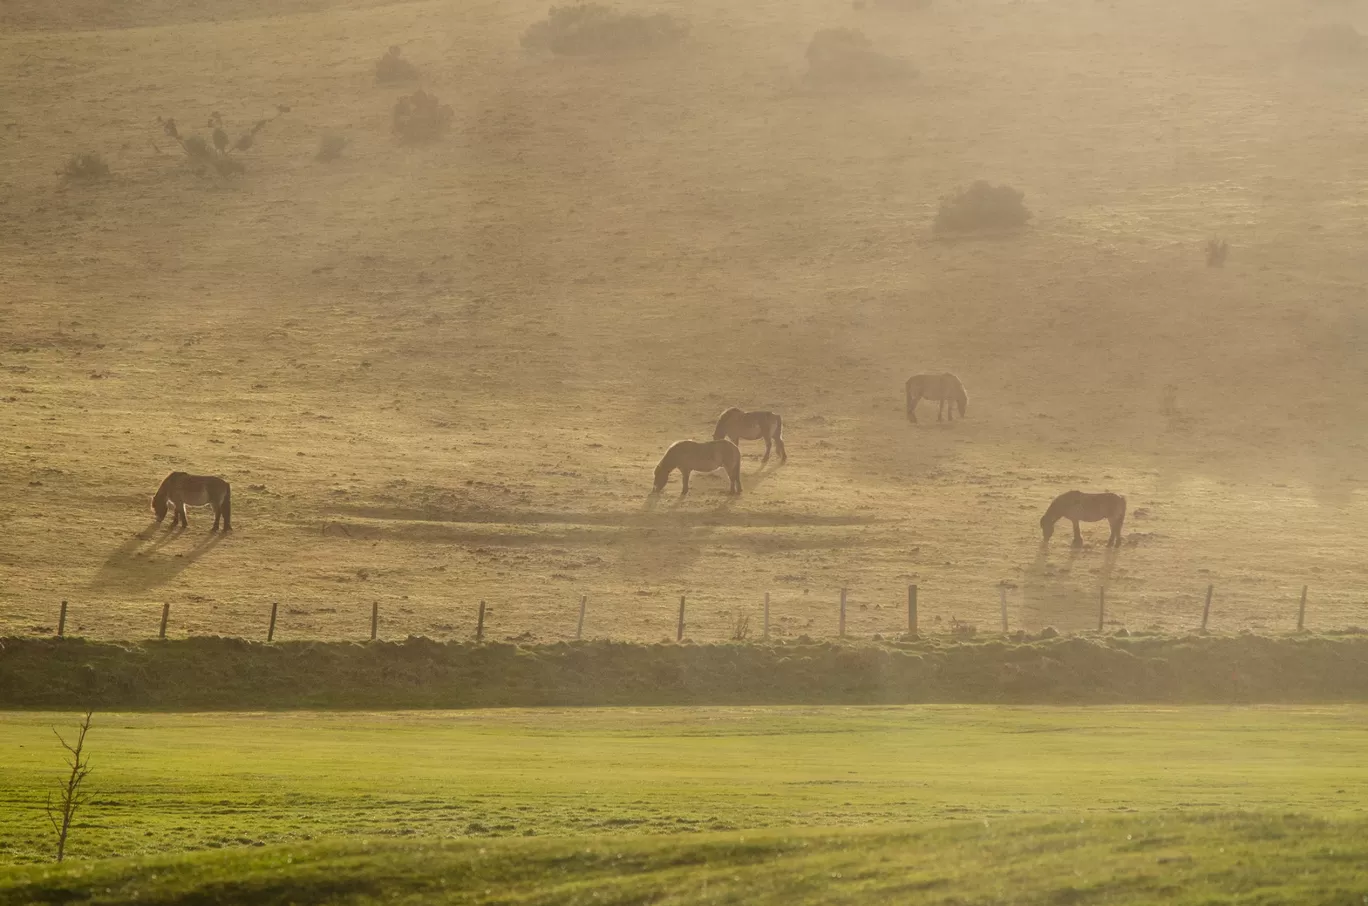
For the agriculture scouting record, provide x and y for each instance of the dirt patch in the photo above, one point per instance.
(216, 673)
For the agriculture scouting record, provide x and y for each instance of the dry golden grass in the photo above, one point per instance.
(441, 373)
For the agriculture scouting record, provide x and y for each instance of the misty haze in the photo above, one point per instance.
(356, 356)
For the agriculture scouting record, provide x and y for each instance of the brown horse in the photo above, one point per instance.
(737, 426)
(180, 490)
(940, 387)
(1081, 507)
(700, 456)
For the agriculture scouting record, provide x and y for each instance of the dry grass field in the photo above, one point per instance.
(440, 373)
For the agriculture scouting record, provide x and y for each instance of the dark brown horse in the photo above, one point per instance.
(944, 388)
(180, 490)
(1080, 507)
(736, 426)
(700, 456)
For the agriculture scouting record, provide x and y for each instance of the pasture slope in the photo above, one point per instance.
(442, 373)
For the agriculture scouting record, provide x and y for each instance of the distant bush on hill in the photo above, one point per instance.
(1337, 41)
(592, 29)
(845, 56)
(393, 68)
(88, 166)
(420, 117)
(215, 155)
(330, 147)
(982, 206)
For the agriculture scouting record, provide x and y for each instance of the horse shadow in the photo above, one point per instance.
(1054, 596)
(134, 564)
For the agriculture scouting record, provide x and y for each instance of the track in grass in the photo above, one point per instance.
(170, 782)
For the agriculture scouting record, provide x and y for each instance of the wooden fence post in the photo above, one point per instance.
(270, 631)
(1206, 609)
(579, 627)
(843, 603)
(912, 610)
(1002, 599)
(1301, 611)
(166, 613)
(61, 620)
(479, 624)
(766, 614)
(375, 619)
(679, 632)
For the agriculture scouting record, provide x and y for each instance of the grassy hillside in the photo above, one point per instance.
(441, 373)
(1203, 859)
(165, 783)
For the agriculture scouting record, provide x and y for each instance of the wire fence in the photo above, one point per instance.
(833, 616)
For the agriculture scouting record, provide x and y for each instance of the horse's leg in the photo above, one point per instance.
(218, 514)
(912, 409)
(1078, 536)
(180, 515)
(768, 444)
(1115, 539)
(684, 475)
(950, 410)
(940, 409)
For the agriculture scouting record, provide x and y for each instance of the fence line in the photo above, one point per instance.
(740, 629)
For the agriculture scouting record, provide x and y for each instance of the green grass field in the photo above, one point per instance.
(1206, 859)
(181, 782)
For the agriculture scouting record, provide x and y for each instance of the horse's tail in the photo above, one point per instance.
(227, 506)
(779, 436)
(909, 395)
(1121, 519)
(963, 396)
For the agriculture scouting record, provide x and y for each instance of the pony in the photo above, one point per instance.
(699, 456)
(940, 387)
(737, 426)
(180, 489)
(1080, 507)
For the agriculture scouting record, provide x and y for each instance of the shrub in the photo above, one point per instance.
(592, 29)
(330, 146)
(982, 207)
(1338, 40)
(1216, 252)
(420, 117)
(845, 55)
(217, 157)
(393, 68)
(88, 166)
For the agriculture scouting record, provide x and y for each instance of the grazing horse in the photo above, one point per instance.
(737, 426)
(1081, 507)
(700, 456)
(180, 490)
(940, 387)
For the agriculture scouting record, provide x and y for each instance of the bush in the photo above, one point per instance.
(845, 55)
(330, 146)
(982, 207)
(394, 68)
(592, 29)
(420, 117)
(1338, 41)
(217, 157)
(88, 166)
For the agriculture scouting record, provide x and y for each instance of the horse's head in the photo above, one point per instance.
(662, 475)
(1047, 526)
(159, 507)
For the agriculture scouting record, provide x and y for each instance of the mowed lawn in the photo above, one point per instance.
(170, 782)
